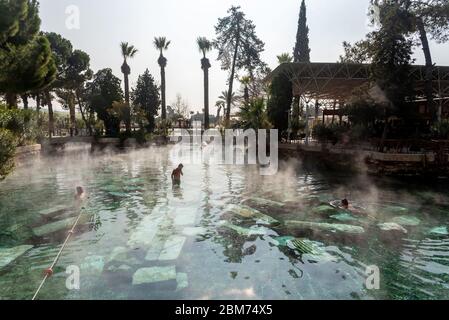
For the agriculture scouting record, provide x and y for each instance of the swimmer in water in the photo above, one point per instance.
(176, 174)
(79, 193)
(354, 209)
(345, 203)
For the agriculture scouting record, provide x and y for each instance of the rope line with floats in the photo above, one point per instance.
(49, 271)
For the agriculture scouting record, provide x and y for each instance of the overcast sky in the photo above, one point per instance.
(105, 23)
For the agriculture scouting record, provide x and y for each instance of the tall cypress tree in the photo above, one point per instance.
(301, 51)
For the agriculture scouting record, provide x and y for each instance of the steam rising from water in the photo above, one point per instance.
(128, 188)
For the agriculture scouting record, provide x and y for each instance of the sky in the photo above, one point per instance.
(103, 24)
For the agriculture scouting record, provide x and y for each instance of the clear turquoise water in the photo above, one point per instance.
(131, 197)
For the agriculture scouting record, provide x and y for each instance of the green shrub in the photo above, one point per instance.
(7, 151)
(363, 112)
(23, 124)
(360, 132)
(163, 127)
(441, 130)
(329, 133)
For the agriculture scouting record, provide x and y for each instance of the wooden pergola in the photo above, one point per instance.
(337, 81)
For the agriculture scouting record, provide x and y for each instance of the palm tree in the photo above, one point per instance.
(254, 115)
(245, 81)
(205, 46)
(224, 97)
(285, 58)
(127, 53)
(161, 43)
(223, 101)
(220, 105)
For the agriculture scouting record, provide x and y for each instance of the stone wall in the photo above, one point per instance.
(369, 161)
(27, 153)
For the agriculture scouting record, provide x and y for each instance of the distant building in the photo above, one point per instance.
(200, 117)
(337, 82)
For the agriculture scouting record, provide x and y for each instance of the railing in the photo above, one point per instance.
(387, 146)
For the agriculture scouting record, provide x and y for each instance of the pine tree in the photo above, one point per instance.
(26, 62)
(301, 51)
(146, 98)
(238, 47)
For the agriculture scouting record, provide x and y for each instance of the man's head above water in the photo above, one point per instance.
(79, 193)
(79, 190)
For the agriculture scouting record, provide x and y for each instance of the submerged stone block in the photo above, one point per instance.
(54, 211)
(407, 221)
(250, 213)
(154, 275)
(392, 226)
(172, 248)
(323, 209)
(145, 232)
(119, 254)
(344, 217)
(311, 250)
(439, 231)
(121, 268)
(395, 209)
(155, 250)
(332, 227)
(245, 231)
(184, 217)
(54, 227)
(8, 255)
(182, 281)
(194, 231)
(92, 265)
(60, 225)
(282, 241)
(257, 201)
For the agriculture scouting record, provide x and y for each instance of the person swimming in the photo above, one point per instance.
(80, 194)
(176, 174)
(345, 203)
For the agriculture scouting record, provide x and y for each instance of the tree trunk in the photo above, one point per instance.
(38, 108)
(334, 107)
(38, 102)
(72, 118)
(164, 110)
(428, 70)
(218, 113)
(24, 98)
(51, 123)
(91, 119)
(128, 110)
(384, 133)
(206, 98)
(296, 112)
(231, 78)
(11, 100)
(246, 94)
(83, 116)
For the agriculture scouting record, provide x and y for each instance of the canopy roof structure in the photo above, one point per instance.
(337, 81)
